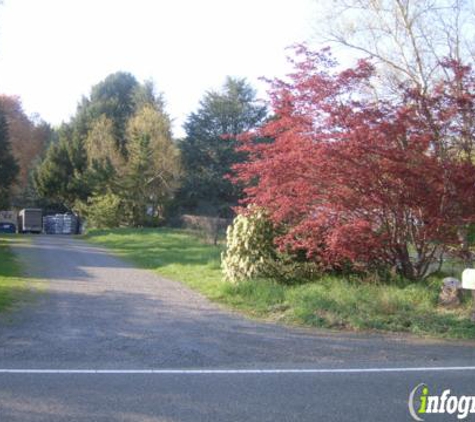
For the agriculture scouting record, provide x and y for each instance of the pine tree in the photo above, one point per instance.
(209, 147)
(61, 176)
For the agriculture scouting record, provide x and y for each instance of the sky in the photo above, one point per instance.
(53, 51)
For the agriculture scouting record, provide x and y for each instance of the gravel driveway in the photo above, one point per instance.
(98, 312)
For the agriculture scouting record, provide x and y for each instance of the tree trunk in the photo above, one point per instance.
(406, 266)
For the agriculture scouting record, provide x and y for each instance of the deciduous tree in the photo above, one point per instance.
(355, 181)
(407, 39)
(28, 139)
(153, 165)
(8, 165)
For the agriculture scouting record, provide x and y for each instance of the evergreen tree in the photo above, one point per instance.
(115, 98)
(61, 175)
(208, 150)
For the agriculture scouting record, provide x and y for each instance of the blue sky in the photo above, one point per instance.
(53, 51)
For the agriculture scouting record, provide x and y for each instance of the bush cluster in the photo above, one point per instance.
(102, 211)
(250, 251)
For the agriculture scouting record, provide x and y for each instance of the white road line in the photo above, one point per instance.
(234, 371)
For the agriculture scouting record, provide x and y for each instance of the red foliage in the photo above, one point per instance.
(28, 138)
(354, 180)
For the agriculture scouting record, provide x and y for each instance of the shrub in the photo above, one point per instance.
(102, 211)
(250, 251)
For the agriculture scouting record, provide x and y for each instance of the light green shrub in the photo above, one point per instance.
(250, 251)
(102, 211)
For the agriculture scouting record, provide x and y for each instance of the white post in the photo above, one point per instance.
(468, 282)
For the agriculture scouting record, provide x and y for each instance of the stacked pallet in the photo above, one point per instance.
(70, 224)
(61, 224)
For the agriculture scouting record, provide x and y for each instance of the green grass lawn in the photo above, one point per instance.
(12, 285)
(330, 302)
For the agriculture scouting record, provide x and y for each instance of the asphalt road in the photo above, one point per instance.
(98, 313)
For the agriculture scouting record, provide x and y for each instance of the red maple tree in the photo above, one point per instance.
(353, 180)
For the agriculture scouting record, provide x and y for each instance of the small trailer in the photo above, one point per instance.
(30, 220)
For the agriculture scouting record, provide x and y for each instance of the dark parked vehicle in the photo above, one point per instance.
(6, 227)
